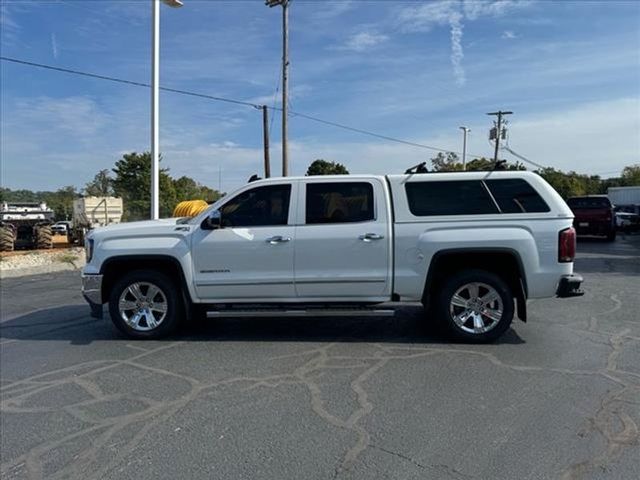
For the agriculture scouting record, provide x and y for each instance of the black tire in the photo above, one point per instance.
(77, 236)
(611, 236)
(174, 305)
(44, 237)
(443, 306)
(6, 240)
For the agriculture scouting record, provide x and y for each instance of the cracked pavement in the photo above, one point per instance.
(348, 398)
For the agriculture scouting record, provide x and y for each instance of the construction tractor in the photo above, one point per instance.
(25, 226)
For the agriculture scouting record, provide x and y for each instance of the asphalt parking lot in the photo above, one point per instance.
(557, 397)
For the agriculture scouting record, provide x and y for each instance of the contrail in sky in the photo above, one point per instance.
(54, 46)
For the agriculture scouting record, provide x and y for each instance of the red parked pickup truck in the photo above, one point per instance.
(593, 216)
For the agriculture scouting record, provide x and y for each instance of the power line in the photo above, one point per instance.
(275, 99)
(233, 101)
(372, 134)
(129, 82)
(524, 159)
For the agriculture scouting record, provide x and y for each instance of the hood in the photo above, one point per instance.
(142, 228)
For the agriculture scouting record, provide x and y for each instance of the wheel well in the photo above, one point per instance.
(505, 263)
(114, 268)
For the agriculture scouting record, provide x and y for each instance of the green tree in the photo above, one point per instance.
(9, 195)
(60, 201)
(100, 186)
(324, 167)
(572, 184)
(631, 175)
(448, 162)
(132, 182)
(188, 189)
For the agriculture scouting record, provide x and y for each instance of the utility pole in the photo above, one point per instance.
(265, 136)
(499, 113)
(464, 147)
(285, 79)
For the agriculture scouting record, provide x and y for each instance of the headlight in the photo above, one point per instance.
(88, 248)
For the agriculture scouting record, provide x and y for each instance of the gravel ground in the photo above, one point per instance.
(17, 264)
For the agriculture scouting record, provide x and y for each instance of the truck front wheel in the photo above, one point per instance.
(475, 306)
(145, 304)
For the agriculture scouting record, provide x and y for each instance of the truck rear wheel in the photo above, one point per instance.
(145, 304)
(44, 237)
(6, 240)
(475, 306)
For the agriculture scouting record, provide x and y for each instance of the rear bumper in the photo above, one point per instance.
(569, 286)
(92, 293)
(594, 228)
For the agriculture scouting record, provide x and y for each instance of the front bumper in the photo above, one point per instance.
(92, 293)
(569, 286)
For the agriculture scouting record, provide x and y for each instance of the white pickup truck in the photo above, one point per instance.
(472, 247)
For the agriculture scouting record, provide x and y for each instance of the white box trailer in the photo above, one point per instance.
(93, 212)
(624, 195)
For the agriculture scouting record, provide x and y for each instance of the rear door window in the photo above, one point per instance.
(464, 197)
(514, 195)
(340, 202)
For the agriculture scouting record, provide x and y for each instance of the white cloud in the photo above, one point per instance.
(423, 18)
(6, 19)
(508, 35)
(362, 41)
(334, 9)
(479, 8)
(295, 92)
(78, 116)
(9, 28)
(592, 138)
(457, 53)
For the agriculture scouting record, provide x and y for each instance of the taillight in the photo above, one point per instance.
(567, 245)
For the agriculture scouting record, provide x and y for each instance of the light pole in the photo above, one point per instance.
(464, 147)
(155, 101)
(285, 79)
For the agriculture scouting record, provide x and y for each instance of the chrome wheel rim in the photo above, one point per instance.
(476, 308)
(143, 306)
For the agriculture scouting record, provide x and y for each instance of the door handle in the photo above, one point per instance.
(367, 237)
(277, 239)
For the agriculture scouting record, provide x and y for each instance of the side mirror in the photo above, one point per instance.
(213, 221)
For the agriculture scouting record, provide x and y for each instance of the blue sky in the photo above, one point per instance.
(570, 71)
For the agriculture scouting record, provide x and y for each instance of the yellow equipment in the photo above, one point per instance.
(60, 240)
(189, 208)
